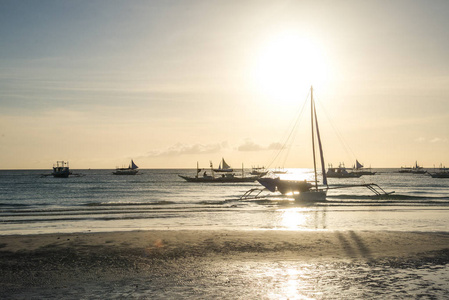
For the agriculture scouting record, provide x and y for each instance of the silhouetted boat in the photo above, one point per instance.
(413, 170)
(341, 172)
(359, 169)
(61, 169)
(131, 170)
(259, 171)
(442, 172)
(223, 167)
(303, 191)
(221, 178)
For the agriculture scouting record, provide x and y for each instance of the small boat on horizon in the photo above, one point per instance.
(341, 172)
(223, 167)
(61, 169)
(360, 169)
(417, 169)
(130, 170)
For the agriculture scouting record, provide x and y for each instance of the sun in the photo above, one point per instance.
(289, 64)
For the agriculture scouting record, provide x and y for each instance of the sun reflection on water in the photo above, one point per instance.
(293, 218)
(303, 218)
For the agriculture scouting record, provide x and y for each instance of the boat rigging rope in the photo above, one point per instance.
(291, 136)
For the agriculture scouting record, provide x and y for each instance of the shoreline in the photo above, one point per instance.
(200, 263)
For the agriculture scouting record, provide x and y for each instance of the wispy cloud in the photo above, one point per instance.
(182, 149)
(438, 140)
(249, 145)
(431, 140)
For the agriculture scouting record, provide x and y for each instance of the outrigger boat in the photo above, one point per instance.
(341, 172)
(304, 191)
(61, 169)
(417, 169)
(223, 178)
(442, 172)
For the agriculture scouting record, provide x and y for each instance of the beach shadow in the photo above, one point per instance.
(362, 248)
(354, 247)
(349, 250)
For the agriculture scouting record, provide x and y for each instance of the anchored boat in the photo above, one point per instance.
(131, 170)
(304, 191)
(61, 169)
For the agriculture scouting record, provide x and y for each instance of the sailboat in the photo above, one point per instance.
(359, 169)
(223, 167)
(303, 191)
(131, 170)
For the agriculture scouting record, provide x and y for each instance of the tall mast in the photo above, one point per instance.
(313, 136)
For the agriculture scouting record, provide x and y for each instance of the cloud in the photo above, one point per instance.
(180, 149)
(438, 140)
(249, 145)
(434, 140)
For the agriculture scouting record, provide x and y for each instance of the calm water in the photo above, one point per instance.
(159, 199)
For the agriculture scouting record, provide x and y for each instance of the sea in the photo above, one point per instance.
(32, 202)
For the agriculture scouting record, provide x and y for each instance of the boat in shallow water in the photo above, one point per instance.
(303, 191)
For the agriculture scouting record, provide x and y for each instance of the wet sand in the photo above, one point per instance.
(179, 264)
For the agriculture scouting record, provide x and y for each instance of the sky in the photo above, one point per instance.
(173, 83)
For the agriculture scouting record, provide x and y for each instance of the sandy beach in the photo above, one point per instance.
(143, 264)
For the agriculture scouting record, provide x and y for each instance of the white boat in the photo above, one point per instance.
(223, 167)
(303, 191)
(130, 170)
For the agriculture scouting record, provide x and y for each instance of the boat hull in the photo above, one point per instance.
(440, 175)
(125, 172)
(284, 186)
(311, 196)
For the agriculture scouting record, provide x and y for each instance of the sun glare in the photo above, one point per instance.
(287, 65)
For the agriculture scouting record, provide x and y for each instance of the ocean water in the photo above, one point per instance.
(99, 201)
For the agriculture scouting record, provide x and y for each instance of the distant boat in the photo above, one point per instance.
(61, 169)
(442, 172)
(414, 170)
(341, 172)
(222, 178)
(259, 171)
(359, 169)
(131, 170)
(279, 171)
(223, 167)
